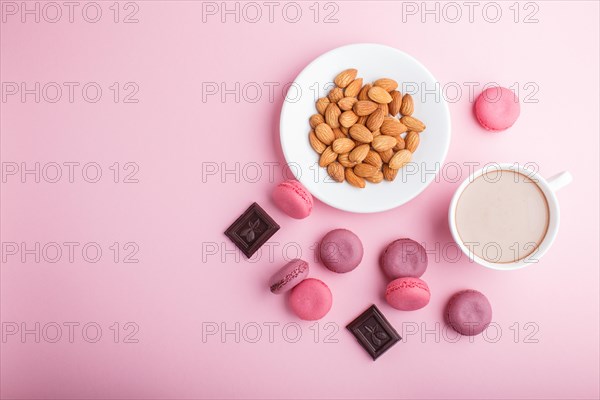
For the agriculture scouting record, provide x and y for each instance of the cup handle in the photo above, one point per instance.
(560, 180)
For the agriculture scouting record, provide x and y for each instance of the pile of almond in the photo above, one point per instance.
(357, 132)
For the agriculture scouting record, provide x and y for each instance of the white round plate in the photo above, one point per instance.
(373, 61)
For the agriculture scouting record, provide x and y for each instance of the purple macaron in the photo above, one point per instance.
(341, 250)
(289, 276)
(404, 258)
(468, 312)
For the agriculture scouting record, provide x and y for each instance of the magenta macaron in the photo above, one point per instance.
(497, 108)
(403, 258)
(311, 299)
(341, 250)
(468, 312)
(293, 199)
(407, 294)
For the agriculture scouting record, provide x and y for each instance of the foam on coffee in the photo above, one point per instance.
(502, 216)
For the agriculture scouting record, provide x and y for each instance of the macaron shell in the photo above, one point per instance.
(497, 108)
(311, 299)
(468, 312)
(289, 276)
(404, 258)
(341, 250)
(407, 294)
(293, 199)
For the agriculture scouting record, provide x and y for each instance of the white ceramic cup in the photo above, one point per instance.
(548, 187)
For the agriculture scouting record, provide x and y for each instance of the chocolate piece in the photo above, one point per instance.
(374, 332)
(252, 229)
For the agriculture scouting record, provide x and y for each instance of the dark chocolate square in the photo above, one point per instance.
(373, 332)
(252, 229)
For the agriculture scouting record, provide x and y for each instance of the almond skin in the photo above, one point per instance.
(342, 145)
(379, 95)
(387, 155)
(332, 115)
(327, 157)
(322, 104)
(315, 120)
(400, 159)
(363, 94)
(354, 180)
(400, 145)
(412, 140)
(364, 107)
(413, 124)
(376, 178)
(383, 143)
(373, 158)
(348, 118)
(346, 103)
(388, 173)
(392, 127)
(365, 170)
(336, 171)
(386, 83)
(353, 89)
(324, 134)
(315, 143)
(336, 95)
(375, 120)
(361, 134)
(345, 161)
(396, 103)
(359, 153)
(345, 77)
(408, 105)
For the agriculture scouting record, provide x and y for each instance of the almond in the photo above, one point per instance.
(363, 94)
(362, 120)
(361, 133)
(379, 95)
(408, 105)
(332, 115)
(387, 155)
(412, 123)
(383, 143)
(376, 178)
(354, 180)
(364, 107)
(342, 145)
(325, 134)
(315, 120)
(327, 157)
(353, 89)
(336, 171)
(345, 161)
(365, 170)
(399, 159)
(346, 103)
(392, 127)
(412, 140)
(373, 158)
(348, 118)
(396, 103)
(386, 83)
(400, 145)
(388, 173)
(345, 77)
(315, 143)
(375, 120)
(359, 153)
(376, 133)
(335, 95)
(341, 132)
(322, 104)
(384, 108)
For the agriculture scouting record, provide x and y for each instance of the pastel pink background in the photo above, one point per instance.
(171, 212)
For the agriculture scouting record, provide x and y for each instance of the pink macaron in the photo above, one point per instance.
(468, 312)
(404, 258)
(311, 299)
(407, 294)
(497, 108)
(289, 276)
(293, 199)
(341, 250)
